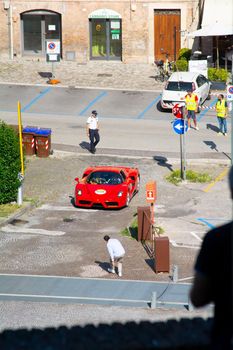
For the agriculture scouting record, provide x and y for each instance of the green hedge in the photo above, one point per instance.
(184, 54)
(181, 66)
(10, 164)
(217, 74)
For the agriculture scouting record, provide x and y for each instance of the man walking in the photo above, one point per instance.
(116, 252)
(214, 280)
(92, 129)
(191, 101)
(221, 110)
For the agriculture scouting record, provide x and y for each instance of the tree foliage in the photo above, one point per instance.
(10, 164)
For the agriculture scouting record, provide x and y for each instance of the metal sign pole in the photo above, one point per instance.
(184, 151)
(52, 70)
(181, 157)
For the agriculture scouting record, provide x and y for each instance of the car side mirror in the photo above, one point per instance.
(77, 179)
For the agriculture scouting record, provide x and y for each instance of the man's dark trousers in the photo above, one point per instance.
(94, 138)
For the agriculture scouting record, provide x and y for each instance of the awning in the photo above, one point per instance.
(217, 19)
(215, 29)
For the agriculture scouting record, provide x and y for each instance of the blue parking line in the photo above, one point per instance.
(141, 115)
(206, 110)
(36, 99)
(97, 98)
(204, 221)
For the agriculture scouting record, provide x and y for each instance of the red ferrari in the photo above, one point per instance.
(106, 187)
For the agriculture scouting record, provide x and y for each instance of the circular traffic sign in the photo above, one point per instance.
(176, 110)
(230, 89)
(51, 46)
(180, 126)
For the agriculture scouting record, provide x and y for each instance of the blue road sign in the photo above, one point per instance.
(180, 126)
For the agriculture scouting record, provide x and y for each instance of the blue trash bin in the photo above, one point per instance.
(43, 142)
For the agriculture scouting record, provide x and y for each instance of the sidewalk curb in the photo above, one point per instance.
(18, 213)
(79, 87)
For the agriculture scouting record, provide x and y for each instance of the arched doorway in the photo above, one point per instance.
(105, 35)
(37, 27)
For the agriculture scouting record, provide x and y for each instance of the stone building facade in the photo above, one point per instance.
(82, 30)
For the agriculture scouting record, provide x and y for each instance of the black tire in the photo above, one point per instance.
(127, 199)
(209, 96)
(199, 107)
(138, 185)
(159, 78)
(159, 107)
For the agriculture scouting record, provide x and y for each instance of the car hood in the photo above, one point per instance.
(101, 190)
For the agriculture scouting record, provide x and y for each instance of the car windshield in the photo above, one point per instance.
(105, 177)
(179, 86)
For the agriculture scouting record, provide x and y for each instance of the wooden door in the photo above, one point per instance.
(166, 34)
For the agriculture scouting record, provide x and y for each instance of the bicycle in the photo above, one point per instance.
(165, 70)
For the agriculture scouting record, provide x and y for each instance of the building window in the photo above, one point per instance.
(105, 35)
(37, 27)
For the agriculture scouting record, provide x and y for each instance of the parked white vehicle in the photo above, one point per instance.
(179, 83)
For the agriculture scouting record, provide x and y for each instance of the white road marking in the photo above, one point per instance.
(90, 298)
(61, 208)
(71, 297)
(35, 231)
(81, 278)
(196, 236)
(185, 279)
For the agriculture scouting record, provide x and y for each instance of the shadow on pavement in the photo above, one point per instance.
(212, 127)
(150, 263)
(85, 145)
(162, 161)
(104, 265)
(212, 145)
(45, 74)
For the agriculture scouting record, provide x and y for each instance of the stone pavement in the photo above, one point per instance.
(99, 74)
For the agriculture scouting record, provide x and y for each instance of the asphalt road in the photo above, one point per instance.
(128, 119)
(72, 244)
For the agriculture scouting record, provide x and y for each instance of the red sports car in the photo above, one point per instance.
(106, 187)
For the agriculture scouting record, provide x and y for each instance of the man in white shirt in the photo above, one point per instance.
(116, 252)
(92, 129)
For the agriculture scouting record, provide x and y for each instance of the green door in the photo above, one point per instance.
(105, 39)
(98, 38)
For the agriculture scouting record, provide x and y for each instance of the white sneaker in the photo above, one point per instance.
(120, 274)
(225, 134)
(188, 129)
(111, 270)
(196, 128)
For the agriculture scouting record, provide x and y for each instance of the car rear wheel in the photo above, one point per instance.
(160, 108)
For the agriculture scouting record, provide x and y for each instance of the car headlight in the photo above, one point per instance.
(79, 192)
(120, 194)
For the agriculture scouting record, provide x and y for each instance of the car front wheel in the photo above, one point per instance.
(138, 185)
(199, 107)
(209, 96)
(127, 200)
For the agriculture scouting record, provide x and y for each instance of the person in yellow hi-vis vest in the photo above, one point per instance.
(221, 110)
(191, 101)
